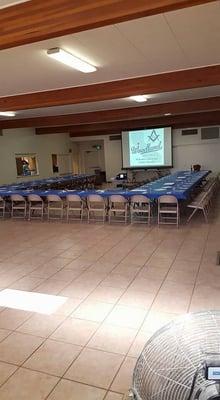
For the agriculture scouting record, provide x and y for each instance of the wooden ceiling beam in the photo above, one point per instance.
(176, 121)
(158, 83)
(177, 107)
(37, 20)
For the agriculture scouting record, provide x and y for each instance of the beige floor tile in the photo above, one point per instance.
(12, 319)
(6, 370)
(50, 286)
(27, 283)
(182, 276)
(67, 390)
(44, 272)
(112, 338)
(130, 317)
(78, 290)
(127, 269)
(175, 289)
(79, 265)
(69, 266)
(102, 267)
(135, 298)
(16, 348)
(174, 304)
(106, 294)
(92, 310)
(26, 385)
(113, 396)
(95, 367)
(159, 262)
(66, 275)
(153, 273)
(184, 265)
(53, 357)
(117, 280)
(123, 380)
(148, 285)
(68, 307)
(156, 320)
(139, 343)
(41, 325)
(76, 331)
(90, 277)
(4, 333)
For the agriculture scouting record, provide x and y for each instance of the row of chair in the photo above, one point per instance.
(203, 200)
(116, 208)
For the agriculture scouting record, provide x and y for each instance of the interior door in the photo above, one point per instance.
(64, 164)
(91, 161)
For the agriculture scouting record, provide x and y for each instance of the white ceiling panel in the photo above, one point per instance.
(153, 37)
(197, 30)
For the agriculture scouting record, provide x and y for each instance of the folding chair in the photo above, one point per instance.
(168, 210)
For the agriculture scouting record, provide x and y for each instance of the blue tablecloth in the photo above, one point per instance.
(179, 184)
(47, 181)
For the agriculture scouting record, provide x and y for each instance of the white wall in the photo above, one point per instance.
(187, 150)
(25, 141)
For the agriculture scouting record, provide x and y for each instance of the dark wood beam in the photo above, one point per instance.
(177, 107)
(158, 83)
(176, 121)
(37, 20)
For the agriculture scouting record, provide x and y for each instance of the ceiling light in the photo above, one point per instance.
(7, 114)
(70, 60)
(139, 98)
(167, 114)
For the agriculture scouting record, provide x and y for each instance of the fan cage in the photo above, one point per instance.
(170, 358)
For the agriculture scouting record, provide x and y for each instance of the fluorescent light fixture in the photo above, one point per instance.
(139, 98)
(70, 60)
(167, 114)
(7, 114)
(31, 301)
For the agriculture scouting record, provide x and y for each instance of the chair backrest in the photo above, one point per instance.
(53, 197)
(95, 198)
(166, 199)
(117, 198)
(17, 197)
(140, 198)
(34, 197)
(73, 197)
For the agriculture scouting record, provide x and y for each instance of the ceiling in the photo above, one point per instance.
(176, 40)
(9, 3)
(157, 98)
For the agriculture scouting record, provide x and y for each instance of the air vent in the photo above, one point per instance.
(188, 132)
(115, 137)
(210, 133)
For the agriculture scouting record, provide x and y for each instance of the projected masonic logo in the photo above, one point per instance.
(153, 136)
(147, 147)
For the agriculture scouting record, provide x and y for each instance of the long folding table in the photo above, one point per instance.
(179, 184)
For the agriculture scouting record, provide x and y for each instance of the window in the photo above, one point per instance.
(26, 165)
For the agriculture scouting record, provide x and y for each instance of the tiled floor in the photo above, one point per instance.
(121, 282)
